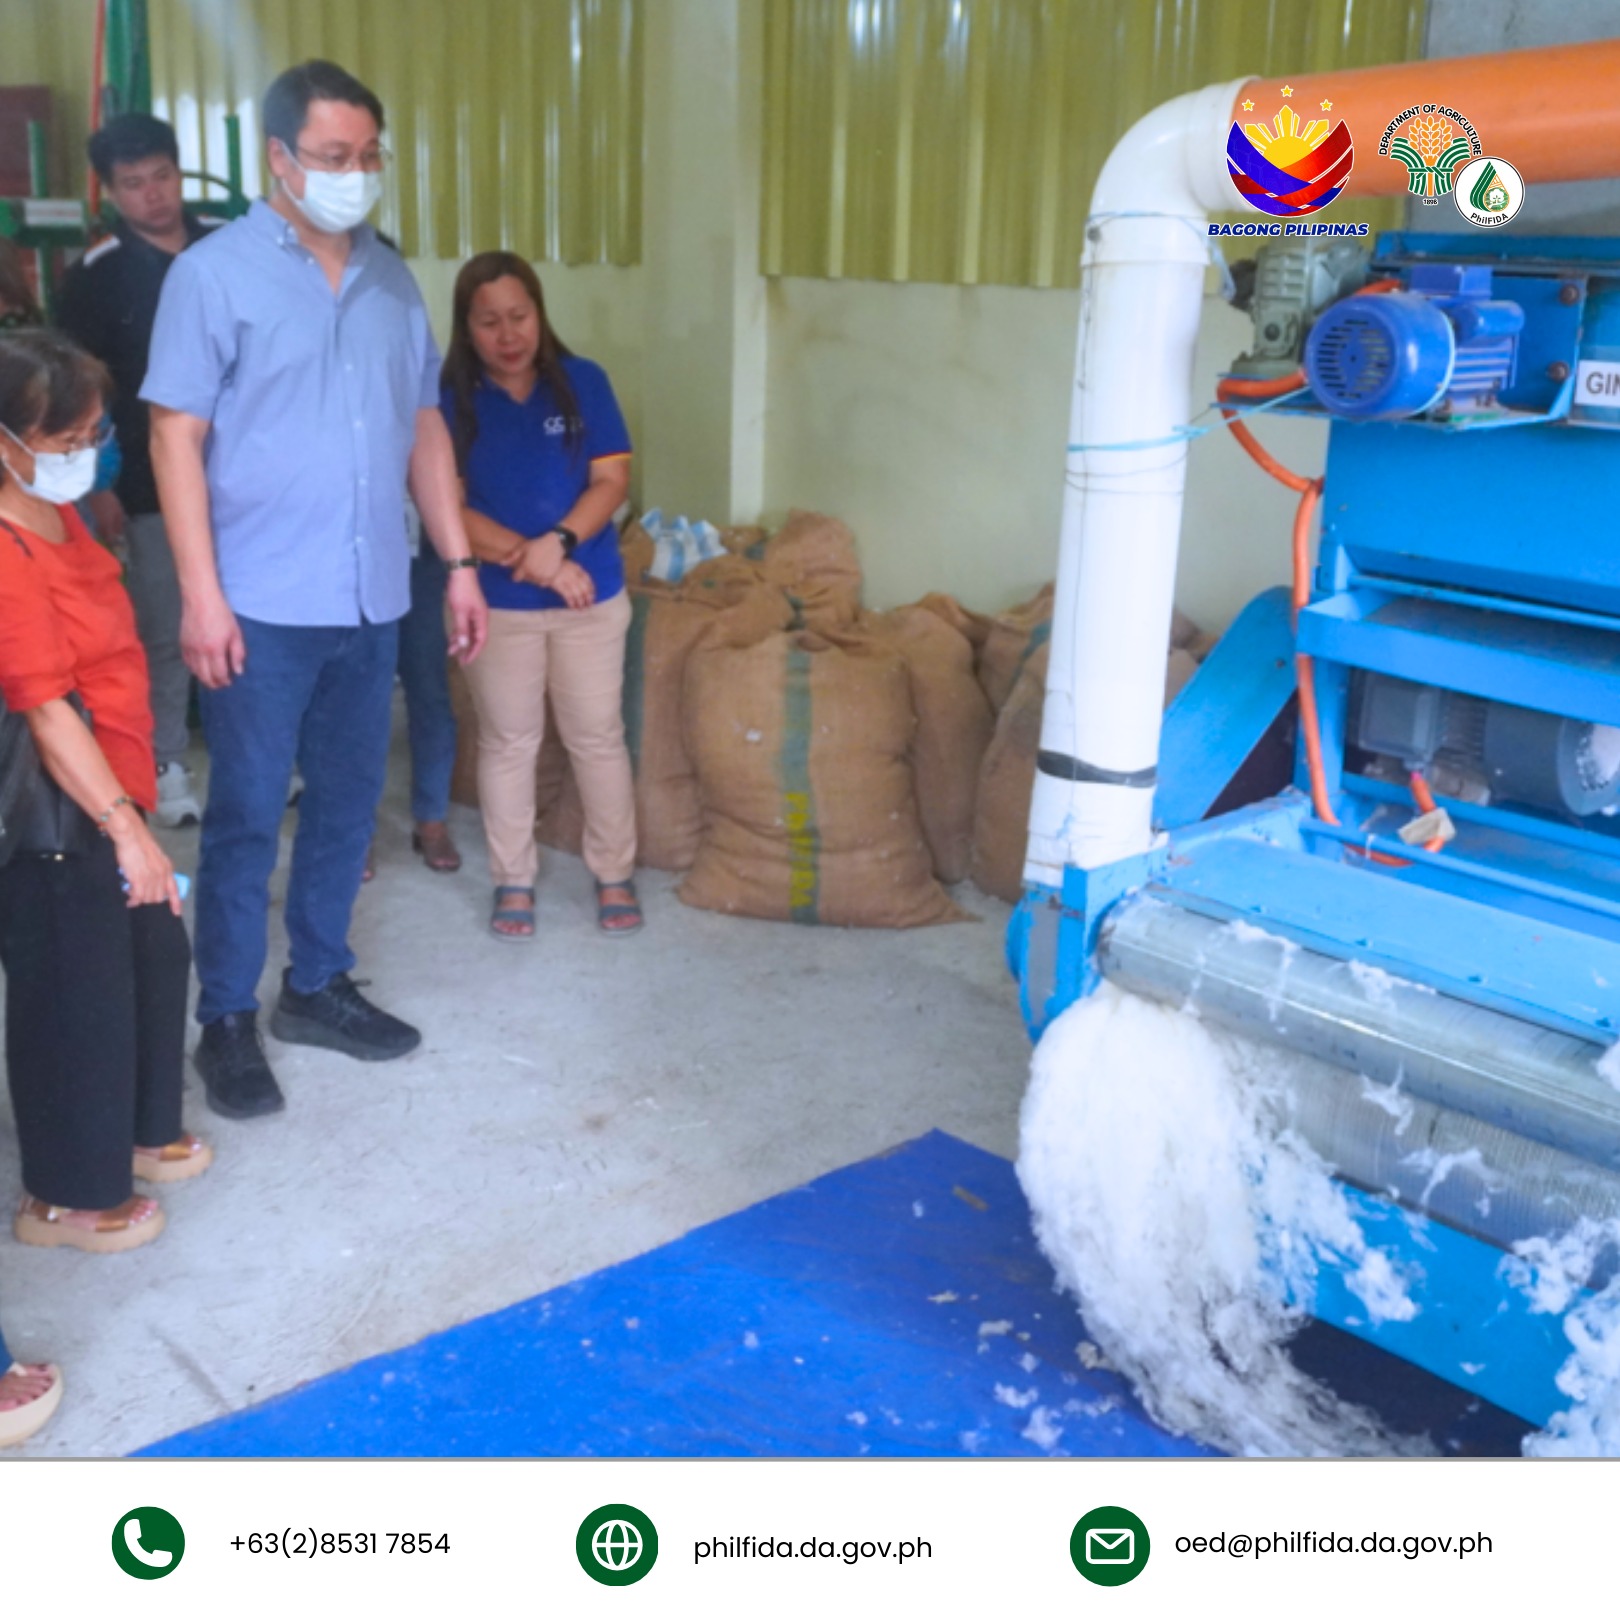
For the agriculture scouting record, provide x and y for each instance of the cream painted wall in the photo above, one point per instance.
(933, 420)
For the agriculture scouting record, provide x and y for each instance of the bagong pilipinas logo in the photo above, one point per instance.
(1432, 141)
(1289, 168)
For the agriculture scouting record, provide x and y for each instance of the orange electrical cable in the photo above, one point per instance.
(1310, 492)
(1255, 388)
(1310, 725)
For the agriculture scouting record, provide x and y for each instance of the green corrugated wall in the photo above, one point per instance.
(514, 123)
(905, 140)
(958, 140)
(48, 42)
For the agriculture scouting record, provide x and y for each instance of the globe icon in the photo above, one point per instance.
(616, 1544)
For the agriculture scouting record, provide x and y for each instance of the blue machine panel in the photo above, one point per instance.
(1529, 514)
(1221, 714)
(1519, 965)
(1469, 1328)
(1569, 669)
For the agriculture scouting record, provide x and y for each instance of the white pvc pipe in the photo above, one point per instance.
(1141, 291)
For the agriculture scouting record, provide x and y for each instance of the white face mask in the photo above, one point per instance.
(59, 477)
(335, 202)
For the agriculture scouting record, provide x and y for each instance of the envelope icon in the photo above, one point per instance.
(1110, 1546)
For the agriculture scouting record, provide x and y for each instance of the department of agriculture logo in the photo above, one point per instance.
(1489, 192)
(1109, 1546)
(148, 1543)
(1289, 167)
(616, 1544)
(1432, 142)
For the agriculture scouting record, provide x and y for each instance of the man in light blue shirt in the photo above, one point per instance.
(294, 387)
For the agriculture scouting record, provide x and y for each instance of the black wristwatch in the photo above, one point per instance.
(567, 536)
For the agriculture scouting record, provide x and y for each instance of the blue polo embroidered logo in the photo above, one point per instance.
(1290, 167)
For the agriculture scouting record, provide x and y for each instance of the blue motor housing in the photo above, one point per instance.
(1380, 357)
(1445, 347)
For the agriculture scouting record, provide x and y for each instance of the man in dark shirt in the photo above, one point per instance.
(108, 303)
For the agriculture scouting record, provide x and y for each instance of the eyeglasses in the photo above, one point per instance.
(372, 161)
(98, 441)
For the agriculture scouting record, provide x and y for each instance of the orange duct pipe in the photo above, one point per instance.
(1553, 113)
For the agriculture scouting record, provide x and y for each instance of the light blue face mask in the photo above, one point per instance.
(60, 477)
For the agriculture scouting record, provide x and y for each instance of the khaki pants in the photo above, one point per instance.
(577, 658)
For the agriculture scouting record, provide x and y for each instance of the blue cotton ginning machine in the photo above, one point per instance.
(1438, 842)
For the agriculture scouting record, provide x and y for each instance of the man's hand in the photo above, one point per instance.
(107, 514)
(469, 614)
(211, 640)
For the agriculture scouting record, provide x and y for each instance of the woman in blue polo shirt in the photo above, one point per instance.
(545, 462)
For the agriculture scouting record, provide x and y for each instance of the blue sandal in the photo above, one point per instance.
(506, 912)
(609, 912)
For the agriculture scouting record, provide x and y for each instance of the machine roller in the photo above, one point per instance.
(1422, 909)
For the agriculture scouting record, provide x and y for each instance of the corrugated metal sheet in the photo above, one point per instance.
(958, 140)
(49, 42)
(513, 123)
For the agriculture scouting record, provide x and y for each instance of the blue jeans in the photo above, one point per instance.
(318, 696)
(424, 649)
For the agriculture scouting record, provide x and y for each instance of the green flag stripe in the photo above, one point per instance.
(798, 803)
(633, 702)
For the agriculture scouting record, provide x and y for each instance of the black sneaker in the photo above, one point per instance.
(339, 1017)
(230, 1058)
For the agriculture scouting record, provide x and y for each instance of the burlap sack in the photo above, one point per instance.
(1178, 670)
(464, 774)
(812, 558)
(954, 726)
(636, 552)
(1007, 784)
(745, 540)
(663, 632)
(808, 810)
(975, 626)
(1007, 780)
(1011, 642)
(723, 581)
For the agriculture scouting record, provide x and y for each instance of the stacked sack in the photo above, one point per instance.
(821, 750)
(1012, 670)
(804, 760)
(666, 623)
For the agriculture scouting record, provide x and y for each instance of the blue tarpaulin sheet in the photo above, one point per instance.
(898, 1307)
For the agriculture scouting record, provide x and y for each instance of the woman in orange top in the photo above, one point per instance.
(96, 957)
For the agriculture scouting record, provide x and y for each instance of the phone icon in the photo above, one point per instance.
(161, 1559)
(148, 1543)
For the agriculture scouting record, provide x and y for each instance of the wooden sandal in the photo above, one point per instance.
(25, 1421)
(179, 1160)
(608, 912)
(43, 1225)
(522, 915)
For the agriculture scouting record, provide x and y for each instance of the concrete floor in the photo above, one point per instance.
(574, 1103)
